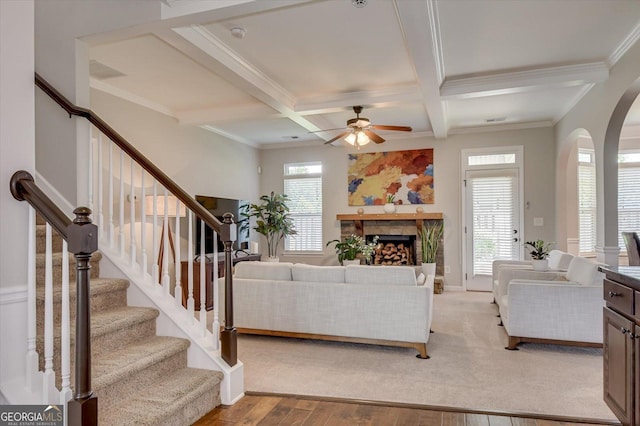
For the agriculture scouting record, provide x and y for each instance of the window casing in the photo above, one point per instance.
(303, 186)
(628, 194)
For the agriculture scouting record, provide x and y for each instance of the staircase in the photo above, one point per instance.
(139, 378)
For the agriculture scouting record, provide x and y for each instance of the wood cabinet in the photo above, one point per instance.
(621, 353)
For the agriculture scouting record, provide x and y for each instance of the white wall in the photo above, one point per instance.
(16, 153)
(538, 185)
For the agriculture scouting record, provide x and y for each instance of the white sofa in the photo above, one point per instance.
(383, 305)
(559, 308)
(558, 261)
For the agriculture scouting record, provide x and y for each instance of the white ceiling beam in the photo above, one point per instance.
(399, 95)
(524, 81)
(421, 29)
(103, 86)
(206, 49)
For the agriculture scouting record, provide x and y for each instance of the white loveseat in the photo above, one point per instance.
(383, 305)
(552, 307)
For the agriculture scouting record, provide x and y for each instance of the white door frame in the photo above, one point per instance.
(518, 163)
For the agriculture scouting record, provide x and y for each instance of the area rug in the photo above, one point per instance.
(469, 367)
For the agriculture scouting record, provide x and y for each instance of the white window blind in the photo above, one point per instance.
(303, 186)
(587, 201)
(628, 199)
(493, 221)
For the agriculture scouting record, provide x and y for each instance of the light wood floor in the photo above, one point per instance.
(291, 410)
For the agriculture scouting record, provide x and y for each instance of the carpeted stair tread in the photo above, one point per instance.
(120, 318)
(177, 399)
(98, 286)
(120, 364)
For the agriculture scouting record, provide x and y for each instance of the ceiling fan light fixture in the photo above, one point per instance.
(357, 139)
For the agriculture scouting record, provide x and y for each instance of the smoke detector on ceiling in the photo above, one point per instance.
(238, 32)
(359, 3)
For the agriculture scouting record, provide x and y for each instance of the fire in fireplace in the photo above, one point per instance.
(394, 250)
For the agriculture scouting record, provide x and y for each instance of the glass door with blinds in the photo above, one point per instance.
(492, 223)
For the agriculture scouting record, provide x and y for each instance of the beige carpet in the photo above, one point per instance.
(469, 367)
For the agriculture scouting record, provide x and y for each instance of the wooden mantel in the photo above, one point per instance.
(390, 216)
(358, 219)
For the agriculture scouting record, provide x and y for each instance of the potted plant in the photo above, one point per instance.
(539, 251)
(430, 237)
(273, 220)
(390, 206)
(348, 249)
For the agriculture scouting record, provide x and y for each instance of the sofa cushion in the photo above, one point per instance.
(264, 270)
(380, 275)
(313, 273)
(584, 272)
(559, 260)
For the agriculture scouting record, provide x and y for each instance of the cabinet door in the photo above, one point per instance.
(637, 367)
(618, 365)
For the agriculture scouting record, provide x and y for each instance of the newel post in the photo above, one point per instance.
(83, 241)
(229, 336)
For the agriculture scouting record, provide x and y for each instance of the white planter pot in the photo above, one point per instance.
(273, 259)
(346, 262)
(540, 264)
(429, 269)
(389, 208)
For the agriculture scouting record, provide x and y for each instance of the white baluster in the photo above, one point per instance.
(49, 378)
(132, 218)
(203, 286)
(143, 226)
(90, 168)
(155, 270)
(100, 200)
(121, 193)
(178, 265)
(111, 226)
(190, 300)
(166, 279)
(215, 326)
(33, 362)
(65, 330)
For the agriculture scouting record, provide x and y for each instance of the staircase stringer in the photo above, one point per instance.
(175, 321)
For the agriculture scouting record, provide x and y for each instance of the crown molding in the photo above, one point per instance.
(130, 97)
(626, 44)
(500, 127)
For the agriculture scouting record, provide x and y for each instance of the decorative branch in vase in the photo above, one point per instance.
(430, 237)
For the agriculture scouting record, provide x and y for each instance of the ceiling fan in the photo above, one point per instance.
(359, 133)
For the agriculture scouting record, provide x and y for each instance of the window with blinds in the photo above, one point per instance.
(628, 194)
(587, 201)
(303, 186)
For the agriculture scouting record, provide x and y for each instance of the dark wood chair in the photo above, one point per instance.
(632, 241)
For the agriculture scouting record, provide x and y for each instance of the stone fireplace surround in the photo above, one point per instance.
(392, 224)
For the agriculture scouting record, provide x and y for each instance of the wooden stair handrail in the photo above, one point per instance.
(137, 156)
(82, 238)
(228, 335)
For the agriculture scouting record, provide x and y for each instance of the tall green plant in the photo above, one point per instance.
(430, 239)
(273, 219)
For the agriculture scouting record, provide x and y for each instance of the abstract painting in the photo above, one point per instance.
(408, 175)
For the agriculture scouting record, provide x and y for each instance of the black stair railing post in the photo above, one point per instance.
(83, 242)
(229, 336)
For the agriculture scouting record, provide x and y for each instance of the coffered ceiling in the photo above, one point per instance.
(439, 66)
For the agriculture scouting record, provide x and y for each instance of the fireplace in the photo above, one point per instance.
(397, 228)
(394, 249)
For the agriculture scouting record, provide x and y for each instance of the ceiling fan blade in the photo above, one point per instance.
(398, 128)
(341, 135)
(326, 130)
(373, 136)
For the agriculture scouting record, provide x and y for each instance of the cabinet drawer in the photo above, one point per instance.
(619, 297)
